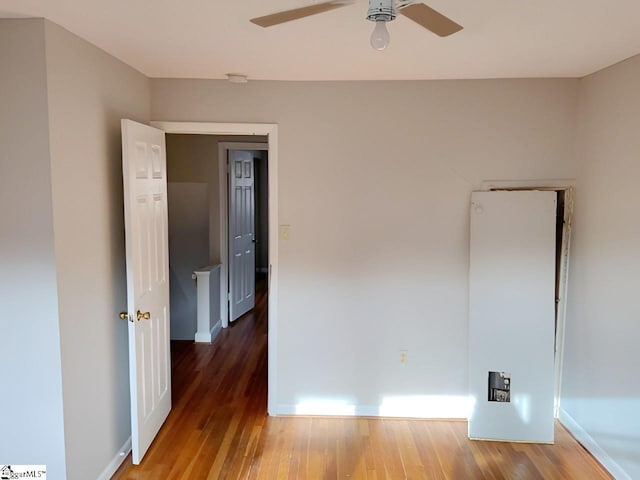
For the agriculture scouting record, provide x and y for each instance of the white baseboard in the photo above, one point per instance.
(117, 461)
(211, 336)
(592, 446)
(203, 337)
(215, 330)
(327, 411)
(363, 411)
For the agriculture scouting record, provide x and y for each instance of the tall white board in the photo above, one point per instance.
(512, 315)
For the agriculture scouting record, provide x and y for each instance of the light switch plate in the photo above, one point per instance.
(285, 232)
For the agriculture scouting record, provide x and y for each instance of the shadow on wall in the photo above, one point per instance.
(600, 419)
(183, 320)
(188, 250)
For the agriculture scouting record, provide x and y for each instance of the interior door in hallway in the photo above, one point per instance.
(242, 254)
(147, 257)
(512, 315)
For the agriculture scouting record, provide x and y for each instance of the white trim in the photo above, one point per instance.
(592, 446)
(215, 330)
(271, 131)
(205, 323)
(211, 336)
(531, 442)
(223, 213)
(547, 184)
(202, 337)
(214, 128)
(351, 411)
(223, 199)
(563, 291)
(115, 463)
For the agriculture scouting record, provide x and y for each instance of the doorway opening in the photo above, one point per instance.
(201, 207)
(261, 138)
(564, 214)
(244, 227)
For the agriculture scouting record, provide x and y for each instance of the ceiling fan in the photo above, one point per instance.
(380, 12)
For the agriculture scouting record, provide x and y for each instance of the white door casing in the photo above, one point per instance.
(271, 131)
(512, 312)
(242, 252)
(147, 258)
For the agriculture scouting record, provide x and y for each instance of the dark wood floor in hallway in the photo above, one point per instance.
(218, 429)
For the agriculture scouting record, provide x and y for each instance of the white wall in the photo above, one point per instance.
(31, 413)
(375, 180)
(89, 92)
(601, 390)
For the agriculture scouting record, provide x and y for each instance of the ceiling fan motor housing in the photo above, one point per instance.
(381, 11)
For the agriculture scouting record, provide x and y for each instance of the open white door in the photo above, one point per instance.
(242, 251)
(145, 213)
(512, 315)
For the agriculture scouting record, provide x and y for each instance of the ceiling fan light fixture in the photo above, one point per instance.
(381, 12)
(380, 37)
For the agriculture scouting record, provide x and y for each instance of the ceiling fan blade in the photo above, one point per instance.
(430, 19)
(297, 13)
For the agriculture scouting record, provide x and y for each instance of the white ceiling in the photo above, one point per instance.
(209, 38)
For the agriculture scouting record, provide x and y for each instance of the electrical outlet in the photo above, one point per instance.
(404, 356)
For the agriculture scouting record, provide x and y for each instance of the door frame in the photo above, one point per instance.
(223, 190)
(270, 130)
(568, 186)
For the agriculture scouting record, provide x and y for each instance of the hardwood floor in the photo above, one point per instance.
(218, 428)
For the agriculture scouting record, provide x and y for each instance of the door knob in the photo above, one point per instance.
(140, 315)
(125, 316)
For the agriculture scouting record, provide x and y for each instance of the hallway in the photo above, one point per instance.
(219, 396)
(218, 429)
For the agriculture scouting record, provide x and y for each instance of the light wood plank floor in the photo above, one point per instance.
(218, 429)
